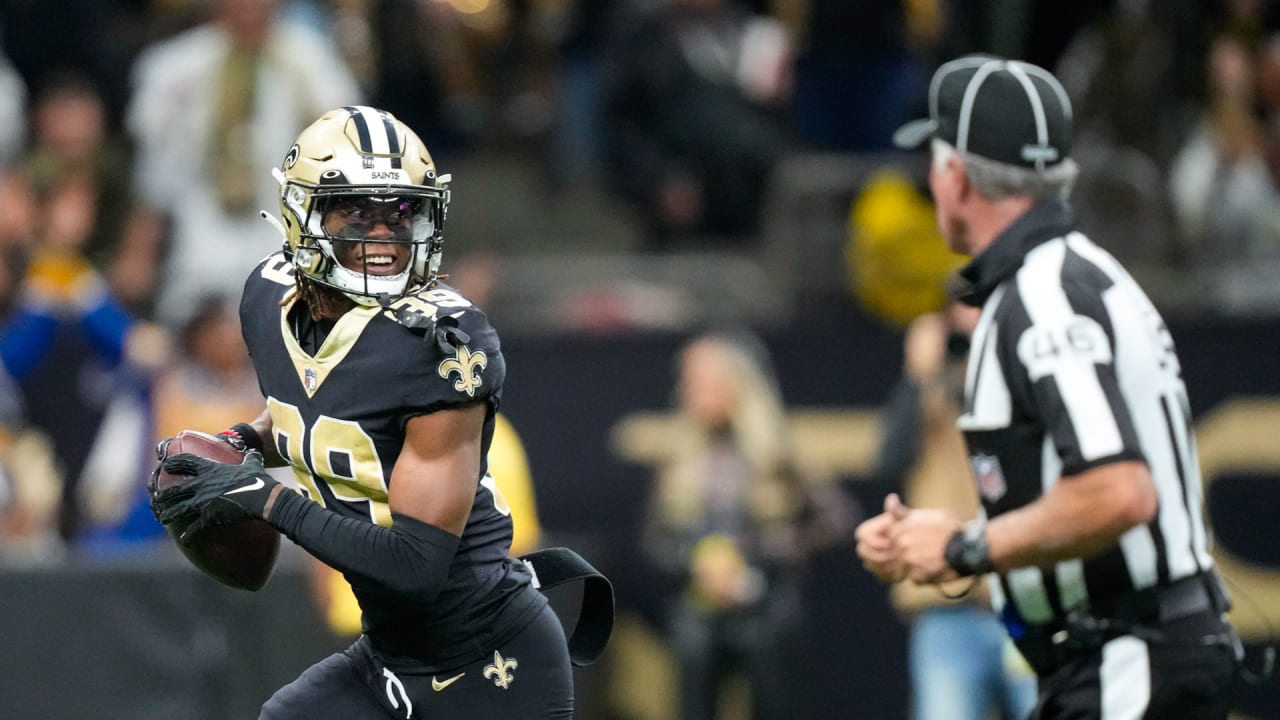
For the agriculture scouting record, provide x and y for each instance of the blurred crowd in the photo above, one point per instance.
(137, 138)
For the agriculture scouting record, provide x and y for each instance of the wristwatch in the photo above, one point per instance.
(967, 551)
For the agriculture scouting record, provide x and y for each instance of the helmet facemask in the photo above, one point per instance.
(375, 230)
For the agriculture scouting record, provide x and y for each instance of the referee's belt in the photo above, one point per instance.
(1161, 604)
(1141, 613)
(557, 566)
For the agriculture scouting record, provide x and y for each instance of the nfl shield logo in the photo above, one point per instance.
(990, 478)
(309, 379)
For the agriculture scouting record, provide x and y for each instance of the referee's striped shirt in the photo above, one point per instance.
(1072, 367)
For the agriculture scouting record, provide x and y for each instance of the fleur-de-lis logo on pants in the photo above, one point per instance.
(500, 670)
(468, 366)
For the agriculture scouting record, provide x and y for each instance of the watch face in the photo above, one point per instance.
(966, 552)
(972, 553)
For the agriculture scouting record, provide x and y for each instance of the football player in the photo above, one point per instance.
(381, 385)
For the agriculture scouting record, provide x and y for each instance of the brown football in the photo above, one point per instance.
(243, 554)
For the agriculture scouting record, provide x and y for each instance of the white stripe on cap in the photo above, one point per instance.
(1037, 110)
(970, 94)
(943, 71)
(1053, 84)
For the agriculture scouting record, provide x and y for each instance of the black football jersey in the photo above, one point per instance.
(338, 417)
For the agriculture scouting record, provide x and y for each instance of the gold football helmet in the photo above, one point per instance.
(369, 167)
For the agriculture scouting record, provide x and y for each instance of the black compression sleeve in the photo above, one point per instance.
(411, 558)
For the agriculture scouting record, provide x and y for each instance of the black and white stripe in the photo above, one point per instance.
(1071, 367)
(970, 97)
(377, 134)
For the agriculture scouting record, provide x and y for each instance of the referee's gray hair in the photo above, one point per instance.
(996, 180)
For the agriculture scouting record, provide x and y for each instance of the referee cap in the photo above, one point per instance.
(1008, 111)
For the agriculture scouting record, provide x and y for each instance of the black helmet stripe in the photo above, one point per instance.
(383, 145)
(393, 141)
(362, 129)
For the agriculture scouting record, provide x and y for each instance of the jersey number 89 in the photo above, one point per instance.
(343, 457)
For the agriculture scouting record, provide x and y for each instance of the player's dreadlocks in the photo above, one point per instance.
(323, 303)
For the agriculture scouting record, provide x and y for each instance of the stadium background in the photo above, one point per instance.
(591, 308)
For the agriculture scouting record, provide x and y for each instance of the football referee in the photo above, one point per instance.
(1077, 424)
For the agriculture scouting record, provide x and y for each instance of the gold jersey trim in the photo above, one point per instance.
(312, 371)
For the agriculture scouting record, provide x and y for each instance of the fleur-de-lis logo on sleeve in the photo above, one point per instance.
(500, 670)
(468, 366)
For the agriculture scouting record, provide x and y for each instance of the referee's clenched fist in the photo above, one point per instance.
(875, 542)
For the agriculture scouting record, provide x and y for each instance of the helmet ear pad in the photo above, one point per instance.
(311, 261)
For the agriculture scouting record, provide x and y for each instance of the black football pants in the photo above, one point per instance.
(528, 677)
(1188, 673)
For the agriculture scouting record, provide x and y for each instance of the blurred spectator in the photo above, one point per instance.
(208, 386)
(75, 332)
(693, 99)
(1268, 79)
(962, 665)
(1223, 193)
(17, 224)
(211, 385)
(30, 484)
(478, 72)
(77, 164)
(47, 38)
(81, 360)
(1037, 31)
(411, 58)
(30, 493)
(211, 109)
(13, 112)
(731, 523)
(583, 32)
(860, 68)
(521, 66)
(1141, 61)
(49, 295)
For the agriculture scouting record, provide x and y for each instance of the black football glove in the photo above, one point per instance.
(217, 493)
(231, 437)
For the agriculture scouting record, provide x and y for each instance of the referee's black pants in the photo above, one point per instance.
(1184, 670)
